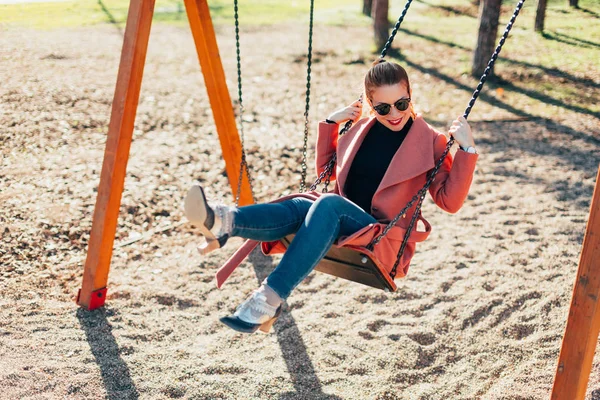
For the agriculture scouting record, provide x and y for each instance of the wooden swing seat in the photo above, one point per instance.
(354, 264)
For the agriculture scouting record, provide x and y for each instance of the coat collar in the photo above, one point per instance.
(414, 157)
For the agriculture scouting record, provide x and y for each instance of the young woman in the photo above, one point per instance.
(383, 161)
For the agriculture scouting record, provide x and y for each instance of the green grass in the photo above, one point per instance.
(88, 12)
(77, 13)
(559, 68)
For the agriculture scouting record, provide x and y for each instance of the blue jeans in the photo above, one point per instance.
(317, 225)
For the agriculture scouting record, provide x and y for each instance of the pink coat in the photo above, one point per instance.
(405, 176)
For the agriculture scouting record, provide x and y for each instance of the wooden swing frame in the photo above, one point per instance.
(583, 324)
(131, 68)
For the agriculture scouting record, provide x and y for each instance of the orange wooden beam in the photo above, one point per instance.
(220, 102)
(583, 324)
(116, 153)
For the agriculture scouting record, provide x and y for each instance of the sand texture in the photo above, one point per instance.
(480, 316)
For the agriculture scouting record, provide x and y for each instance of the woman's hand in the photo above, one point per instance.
(352, 112)
(461, 131)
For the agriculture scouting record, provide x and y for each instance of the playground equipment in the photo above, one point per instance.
(358, 263)
(583, 325)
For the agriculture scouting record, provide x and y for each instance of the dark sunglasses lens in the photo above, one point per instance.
(383, 109)
(402, 105)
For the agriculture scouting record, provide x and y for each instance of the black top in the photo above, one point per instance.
(371, 162)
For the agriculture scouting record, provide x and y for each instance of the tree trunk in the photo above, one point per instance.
(367, 7)
(381, 23)
(574, 3)
(540, 14)
(489, 14)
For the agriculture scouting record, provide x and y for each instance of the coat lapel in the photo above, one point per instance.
(414, 157)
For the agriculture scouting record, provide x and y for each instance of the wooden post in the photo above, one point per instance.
(116, 154)
(583, 324)
(220, 102)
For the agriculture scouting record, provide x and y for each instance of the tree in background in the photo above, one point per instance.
(540, 15)
(574, 3)
(489, 15)
(381, 24)
(367, 7)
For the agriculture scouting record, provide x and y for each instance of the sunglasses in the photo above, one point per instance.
(384, 109)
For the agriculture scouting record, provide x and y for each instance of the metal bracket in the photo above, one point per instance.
(97, 298)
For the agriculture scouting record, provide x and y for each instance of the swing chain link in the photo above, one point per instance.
(307, 108)
(243, 163)
(328, 171)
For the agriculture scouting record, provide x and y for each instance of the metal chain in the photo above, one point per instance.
(243, 163)
(328, 171)
(308, 70)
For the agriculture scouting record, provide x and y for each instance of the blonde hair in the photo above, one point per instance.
(383, 73)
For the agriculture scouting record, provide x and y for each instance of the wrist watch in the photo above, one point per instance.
(469, 149)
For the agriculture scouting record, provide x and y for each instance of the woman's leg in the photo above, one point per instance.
(328, 218)
(269, 221)
(263, 222)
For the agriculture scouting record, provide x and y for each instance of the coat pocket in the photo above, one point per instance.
(386, 251)
(365, 235)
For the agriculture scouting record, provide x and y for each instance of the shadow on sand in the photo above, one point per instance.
(114, 371)
(298, 363)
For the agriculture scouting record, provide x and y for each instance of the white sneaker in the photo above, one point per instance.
(253, 314)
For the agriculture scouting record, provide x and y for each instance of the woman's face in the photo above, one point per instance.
(390, 94)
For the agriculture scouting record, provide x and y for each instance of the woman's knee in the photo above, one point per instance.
(300, 205)
(328, 201)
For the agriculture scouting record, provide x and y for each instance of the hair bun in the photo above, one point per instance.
(378, 61)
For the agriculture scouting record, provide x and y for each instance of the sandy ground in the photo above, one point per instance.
(480, 315)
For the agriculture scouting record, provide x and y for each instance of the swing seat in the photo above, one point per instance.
(355, 264)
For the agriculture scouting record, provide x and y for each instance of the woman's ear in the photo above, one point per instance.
(369, 107)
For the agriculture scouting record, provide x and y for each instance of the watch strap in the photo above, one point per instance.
(469, 149)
